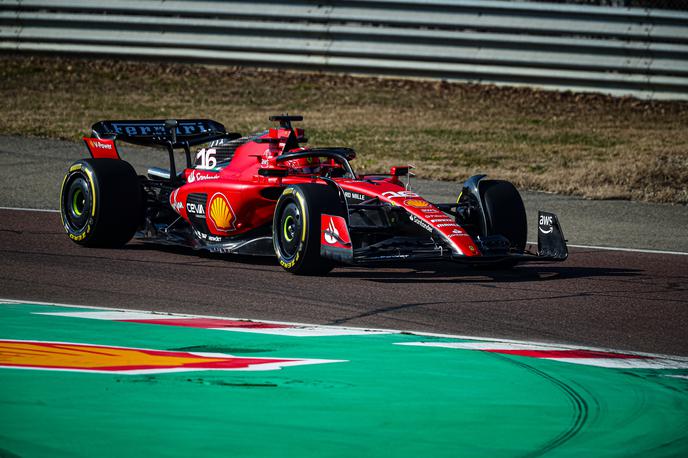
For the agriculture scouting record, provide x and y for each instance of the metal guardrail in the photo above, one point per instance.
(623, 51)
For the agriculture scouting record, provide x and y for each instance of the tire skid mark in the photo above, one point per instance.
(581, 410)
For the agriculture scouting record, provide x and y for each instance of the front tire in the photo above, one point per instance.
(296, 227)
(101, 203)
(505, 213)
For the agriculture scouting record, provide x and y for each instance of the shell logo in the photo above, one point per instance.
(220, 213)
(417, 203)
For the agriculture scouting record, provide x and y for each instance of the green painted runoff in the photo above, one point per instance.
(385, 400)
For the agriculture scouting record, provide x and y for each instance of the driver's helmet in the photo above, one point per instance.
(305, 165)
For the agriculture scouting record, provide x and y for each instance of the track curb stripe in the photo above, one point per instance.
(219, 324)
(576, 354)
(600, 358)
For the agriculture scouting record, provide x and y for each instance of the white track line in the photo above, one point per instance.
(593, 247)
(544, 345)
(295, 331)
(630, 250)
(478, 345)
(44, 210)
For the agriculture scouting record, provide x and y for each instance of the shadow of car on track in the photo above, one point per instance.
(449, 273)
(428, 272)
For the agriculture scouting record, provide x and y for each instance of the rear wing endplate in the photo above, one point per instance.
(101, 148)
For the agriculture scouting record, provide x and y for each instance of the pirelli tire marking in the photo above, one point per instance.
(304, 217)
(290, 264)
(304, 221)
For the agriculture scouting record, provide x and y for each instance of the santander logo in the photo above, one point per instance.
(331, 234)
(198, 176)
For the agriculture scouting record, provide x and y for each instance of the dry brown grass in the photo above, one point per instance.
(588, 145)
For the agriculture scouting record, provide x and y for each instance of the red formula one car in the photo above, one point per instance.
(265, 194)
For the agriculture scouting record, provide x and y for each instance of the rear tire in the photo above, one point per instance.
(101, 203)
(505, 215)
(296, 228)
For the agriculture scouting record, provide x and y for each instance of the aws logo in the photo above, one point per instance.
(220, 213)
(545, 225)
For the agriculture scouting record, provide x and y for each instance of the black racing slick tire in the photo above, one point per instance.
(505, 213)
(101, 202)
(296, 228)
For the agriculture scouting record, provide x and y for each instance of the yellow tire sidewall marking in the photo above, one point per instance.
(93, 192)
(303, 216)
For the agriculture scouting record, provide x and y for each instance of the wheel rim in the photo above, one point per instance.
(78, 202)
(291, 224)
(288, 228)
(76, 205)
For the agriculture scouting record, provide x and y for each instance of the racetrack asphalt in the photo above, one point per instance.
(614, 299)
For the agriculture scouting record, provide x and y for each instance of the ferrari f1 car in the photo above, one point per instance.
(266, 194)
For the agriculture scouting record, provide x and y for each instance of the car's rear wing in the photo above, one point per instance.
(170, 134)
(159, 131)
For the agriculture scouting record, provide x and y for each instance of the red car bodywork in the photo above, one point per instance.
(227, 201)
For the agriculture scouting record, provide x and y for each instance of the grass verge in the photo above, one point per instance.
(580, 144)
